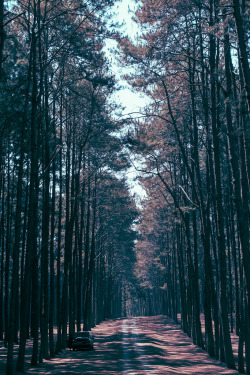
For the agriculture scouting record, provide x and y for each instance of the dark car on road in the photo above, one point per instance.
(83, 340)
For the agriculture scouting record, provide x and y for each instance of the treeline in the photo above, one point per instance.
(66, 242)
(193, 140)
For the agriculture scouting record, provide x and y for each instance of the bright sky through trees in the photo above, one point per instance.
(131, 101)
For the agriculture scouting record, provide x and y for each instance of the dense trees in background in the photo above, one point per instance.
(67, 220)
(66, 242)
(193, 139)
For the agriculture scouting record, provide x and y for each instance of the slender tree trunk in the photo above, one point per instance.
(220, 212)
(86, 256)
(59, 235)
(90, 271)
(242, 48)
(67, 251)
(31, 251)
(2, 37)
(2, 258)
(2, 183)
(182, 281)
(44, 352)
(7, 257)
(15, 267)
(33, 218)
(24, 240)
(80, 260)
(52, 246)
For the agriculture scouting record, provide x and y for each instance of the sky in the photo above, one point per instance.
(129, 100)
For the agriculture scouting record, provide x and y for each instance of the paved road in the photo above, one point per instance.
(136, 346)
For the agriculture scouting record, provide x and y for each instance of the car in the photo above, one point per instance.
(83, 340)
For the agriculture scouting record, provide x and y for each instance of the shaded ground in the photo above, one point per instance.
(135, 346)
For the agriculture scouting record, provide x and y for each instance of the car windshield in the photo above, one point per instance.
(82, 334)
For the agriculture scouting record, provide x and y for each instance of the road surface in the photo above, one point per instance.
(136, 346)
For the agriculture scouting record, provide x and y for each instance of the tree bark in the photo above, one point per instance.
(220, 212)
(31, 250)
(242, 48)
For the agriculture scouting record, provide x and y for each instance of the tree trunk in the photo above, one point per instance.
(15, 267)
(31, 250)
(7, 256)
(59, 234)
(52, 246)
(2, 37)
(242, 48)
(90, 272)
(44, 308)
(220, 212)
(80, 260)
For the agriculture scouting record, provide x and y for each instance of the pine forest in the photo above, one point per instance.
(78, 245)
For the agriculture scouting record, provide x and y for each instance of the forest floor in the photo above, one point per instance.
(133, 346)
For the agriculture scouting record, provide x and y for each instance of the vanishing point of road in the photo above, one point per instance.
(136, 346)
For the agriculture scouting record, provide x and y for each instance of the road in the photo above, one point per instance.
(136, 346)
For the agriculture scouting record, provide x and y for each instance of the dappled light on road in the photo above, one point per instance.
(136, 346)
